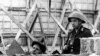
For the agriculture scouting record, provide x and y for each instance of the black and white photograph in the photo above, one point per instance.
(49, 27)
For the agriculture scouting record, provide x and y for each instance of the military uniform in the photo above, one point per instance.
(76, 34)
(75, 47)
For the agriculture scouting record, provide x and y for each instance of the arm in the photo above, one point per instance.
(87, 33)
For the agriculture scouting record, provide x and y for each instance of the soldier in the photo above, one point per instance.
(38, 48)
(72, 45)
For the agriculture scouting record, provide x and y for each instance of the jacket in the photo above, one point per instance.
(81, 32)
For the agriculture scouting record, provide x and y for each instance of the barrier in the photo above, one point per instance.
(90, 45)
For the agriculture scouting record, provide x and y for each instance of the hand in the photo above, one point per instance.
(65, 47)
(63, 35)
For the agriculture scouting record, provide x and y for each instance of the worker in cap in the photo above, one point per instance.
(38, 48)
(72, 44)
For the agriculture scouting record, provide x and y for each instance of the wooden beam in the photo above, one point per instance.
(31, 28)
(31, 25)
(27, 4)
(63, 3)
(26, 20)
(41, 27)
(96, 4)
(58, 29)
(71, 5)
(33, 22)
(67, 11)
(98, 17)
(97, 20)
(17, 23)
(16, 9)
(49, 7)
(53, 17)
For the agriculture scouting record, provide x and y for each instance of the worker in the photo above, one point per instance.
(72, 44)
(38, 48)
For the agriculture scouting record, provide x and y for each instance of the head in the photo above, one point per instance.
(76, 22)
(76, 19)
(38, 48)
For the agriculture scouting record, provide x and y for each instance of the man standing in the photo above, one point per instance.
(72, 45)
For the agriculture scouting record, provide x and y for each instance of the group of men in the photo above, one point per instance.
(72, 44)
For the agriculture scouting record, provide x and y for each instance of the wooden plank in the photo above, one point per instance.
(29, 44)
(16, 9)
(49, 7)
(28, 39)
(42, 31)
(27, 4)
(97, 20)
(31, 28)
(17, 23)
(58, 29)
(33, 22)
(26, 20)
(71, 6)
(53, 17)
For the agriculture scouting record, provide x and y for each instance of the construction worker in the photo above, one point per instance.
(38, 48)
(72, 44)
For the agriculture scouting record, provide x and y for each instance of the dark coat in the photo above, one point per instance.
(75, 47)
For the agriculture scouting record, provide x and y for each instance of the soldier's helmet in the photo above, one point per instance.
(76, 15)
